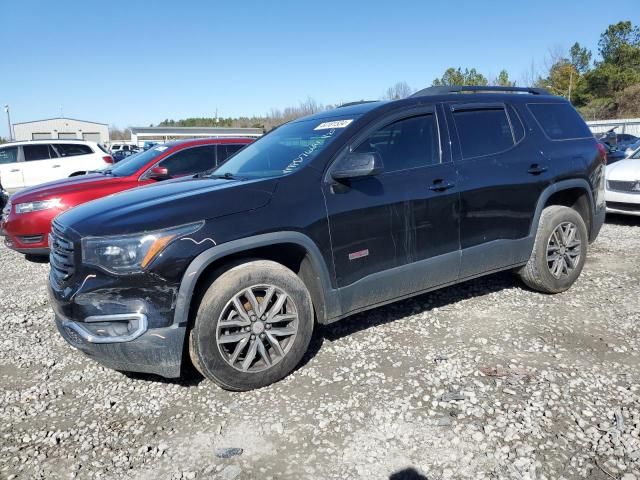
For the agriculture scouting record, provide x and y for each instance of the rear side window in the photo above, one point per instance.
(8, 155)
(560, 121)
(35, 152)
(71, 150)
(483, 131)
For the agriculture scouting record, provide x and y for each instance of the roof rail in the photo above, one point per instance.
(477, 88)
(349, 104)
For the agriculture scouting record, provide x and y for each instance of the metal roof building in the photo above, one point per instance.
(140, 134)
(62, 128)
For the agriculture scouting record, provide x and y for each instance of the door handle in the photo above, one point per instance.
(536, 169)
(55, 166)
(439, 185)
(14, 170)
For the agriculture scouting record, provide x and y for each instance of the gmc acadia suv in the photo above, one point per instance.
(325, 216)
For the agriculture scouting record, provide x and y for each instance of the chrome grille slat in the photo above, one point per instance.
(61, 255)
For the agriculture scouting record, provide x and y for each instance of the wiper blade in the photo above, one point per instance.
(225, 176)
(106, 172)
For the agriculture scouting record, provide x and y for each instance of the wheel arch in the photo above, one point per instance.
(574, 193)
(292, 249)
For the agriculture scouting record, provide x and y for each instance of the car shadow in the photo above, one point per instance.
(190, 377)
(408, 474)
(36, 258)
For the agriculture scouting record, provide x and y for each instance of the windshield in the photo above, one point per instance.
(283, 151)
(135, 162)
(635, 154)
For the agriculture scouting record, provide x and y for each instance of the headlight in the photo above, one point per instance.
(131, 253)
(37, 206)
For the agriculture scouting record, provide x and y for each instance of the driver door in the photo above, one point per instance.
(395, 233)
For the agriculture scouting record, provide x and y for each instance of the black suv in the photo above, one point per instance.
(325, 216)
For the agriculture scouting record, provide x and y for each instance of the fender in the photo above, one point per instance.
(558, 187)
(206, 258)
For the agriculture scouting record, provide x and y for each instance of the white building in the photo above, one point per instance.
(141, 134)
(62, 128)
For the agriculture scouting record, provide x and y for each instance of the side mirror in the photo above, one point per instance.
(356, 165)
(158, 173)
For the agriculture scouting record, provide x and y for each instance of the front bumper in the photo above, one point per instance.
(140, 349)
(28, 232)
(623, 202)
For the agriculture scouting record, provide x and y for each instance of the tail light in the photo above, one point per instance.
(107, 159)
(603, 153)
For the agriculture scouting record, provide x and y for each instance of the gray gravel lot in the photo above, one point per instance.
(482, 380)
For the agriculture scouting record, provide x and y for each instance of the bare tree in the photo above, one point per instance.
(398, 91)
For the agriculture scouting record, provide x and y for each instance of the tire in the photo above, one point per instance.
(219, 318)
(545, 276)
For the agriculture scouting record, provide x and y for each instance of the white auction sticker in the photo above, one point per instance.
(336, 124)
(160, 149)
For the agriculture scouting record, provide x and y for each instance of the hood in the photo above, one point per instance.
(167, 204)
(64, 186)
(626, 170)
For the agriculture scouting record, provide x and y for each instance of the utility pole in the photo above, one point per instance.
(570, 82)
(6, 109)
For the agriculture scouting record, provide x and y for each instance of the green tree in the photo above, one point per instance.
(456, 76)
(618, 42)
(580, 58)
(502, 80)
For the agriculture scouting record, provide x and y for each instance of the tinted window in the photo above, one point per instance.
(560, 121)
(35, 152)
(483, 131)
(225, 151)
(136, 162)
(8, 155)
(191, 160)
(285, 149)
(71, 149)
(409, 143)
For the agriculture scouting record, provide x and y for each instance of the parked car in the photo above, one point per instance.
(623, 186)
(620, 140)
(24, 164)
(119, 155)
(27, 222)
(4, 196)
(613, 153)
(117, 147)
(631, 148)
(323, 217)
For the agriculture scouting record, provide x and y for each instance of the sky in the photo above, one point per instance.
(135, 63)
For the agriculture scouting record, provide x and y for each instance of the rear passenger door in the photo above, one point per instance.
(11, 168)
(395, 233)
(41, 164)
(501, 173)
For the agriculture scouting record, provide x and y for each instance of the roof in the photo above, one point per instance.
(60, 118)
(50, 140)
(197, 130)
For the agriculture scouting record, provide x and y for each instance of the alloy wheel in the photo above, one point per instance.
(257, 328)
(564, 249)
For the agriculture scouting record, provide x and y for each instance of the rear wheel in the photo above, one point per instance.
(253, 326)
(559, 251)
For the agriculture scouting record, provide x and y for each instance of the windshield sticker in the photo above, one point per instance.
(331, 125)
(310, 149)
(161, 149)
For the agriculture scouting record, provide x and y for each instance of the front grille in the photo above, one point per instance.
(622, 186)
(625, 207)
(29, 239)
(61, 256)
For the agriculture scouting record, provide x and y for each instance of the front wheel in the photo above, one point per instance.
(253, 326)
(559, 251)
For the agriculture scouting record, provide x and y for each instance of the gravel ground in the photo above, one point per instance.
(482, 380)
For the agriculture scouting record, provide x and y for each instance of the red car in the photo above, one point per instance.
(26, 219)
